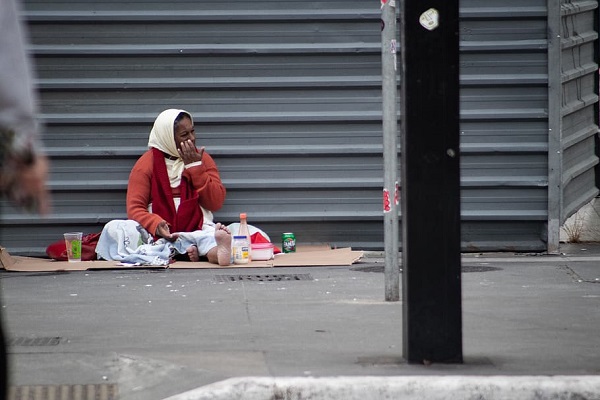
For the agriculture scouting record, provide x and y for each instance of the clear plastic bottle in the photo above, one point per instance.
(241, 250)
(244, 231)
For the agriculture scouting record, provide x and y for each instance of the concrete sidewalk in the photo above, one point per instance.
(158, 334)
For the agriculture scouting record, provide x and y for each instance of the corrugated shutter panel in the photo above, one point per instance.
(504, 130)
(579, 108)
(287, 98)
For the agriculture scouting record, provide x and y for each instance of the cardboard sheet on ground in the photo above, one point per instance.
(305, 256)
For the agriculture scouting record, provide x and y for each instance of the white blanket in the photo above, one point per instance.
(126, 241)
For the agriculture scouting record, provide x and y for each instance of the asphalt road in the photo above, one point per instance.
(151, 334)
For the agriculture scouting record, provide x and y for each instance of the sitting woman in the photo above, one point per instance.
(173, 189)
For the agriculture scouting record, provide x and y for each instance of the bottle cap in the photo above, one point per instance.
(242, 215)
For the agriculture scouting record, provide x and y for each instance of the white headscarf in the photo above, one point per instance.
(162, 137)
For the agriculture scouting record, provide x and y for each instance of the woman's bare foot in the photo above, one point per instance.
(192, 253)
(223, 249)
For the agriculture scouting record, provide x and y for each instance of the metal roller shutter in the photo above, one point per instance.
(287, 98)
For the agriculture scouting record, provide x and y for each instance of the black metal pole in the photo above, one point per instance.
(432, 317)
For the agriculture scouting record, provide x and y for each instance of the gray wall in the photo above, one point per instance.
(287, 98)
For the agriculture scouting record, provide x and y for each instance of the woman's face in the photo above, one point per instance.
(184, 131)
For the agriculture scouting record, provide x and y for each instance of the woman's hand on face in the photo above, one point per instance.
(188, 152)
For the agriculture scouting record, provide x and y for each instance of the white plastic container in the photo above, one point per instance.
(240, 247)
(261, 251)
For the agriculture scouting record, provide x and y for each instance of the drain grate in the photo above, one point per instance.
(106, 391)
(479, 268)
(263, 278)
(464, 268)
(39, 341)
(369, 268)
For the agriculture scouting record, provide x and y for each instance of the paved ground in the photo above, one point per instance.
(153, 334)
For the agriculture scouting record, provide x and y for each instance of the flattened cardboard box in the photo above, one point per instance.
(306, 256)
(5, 258)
